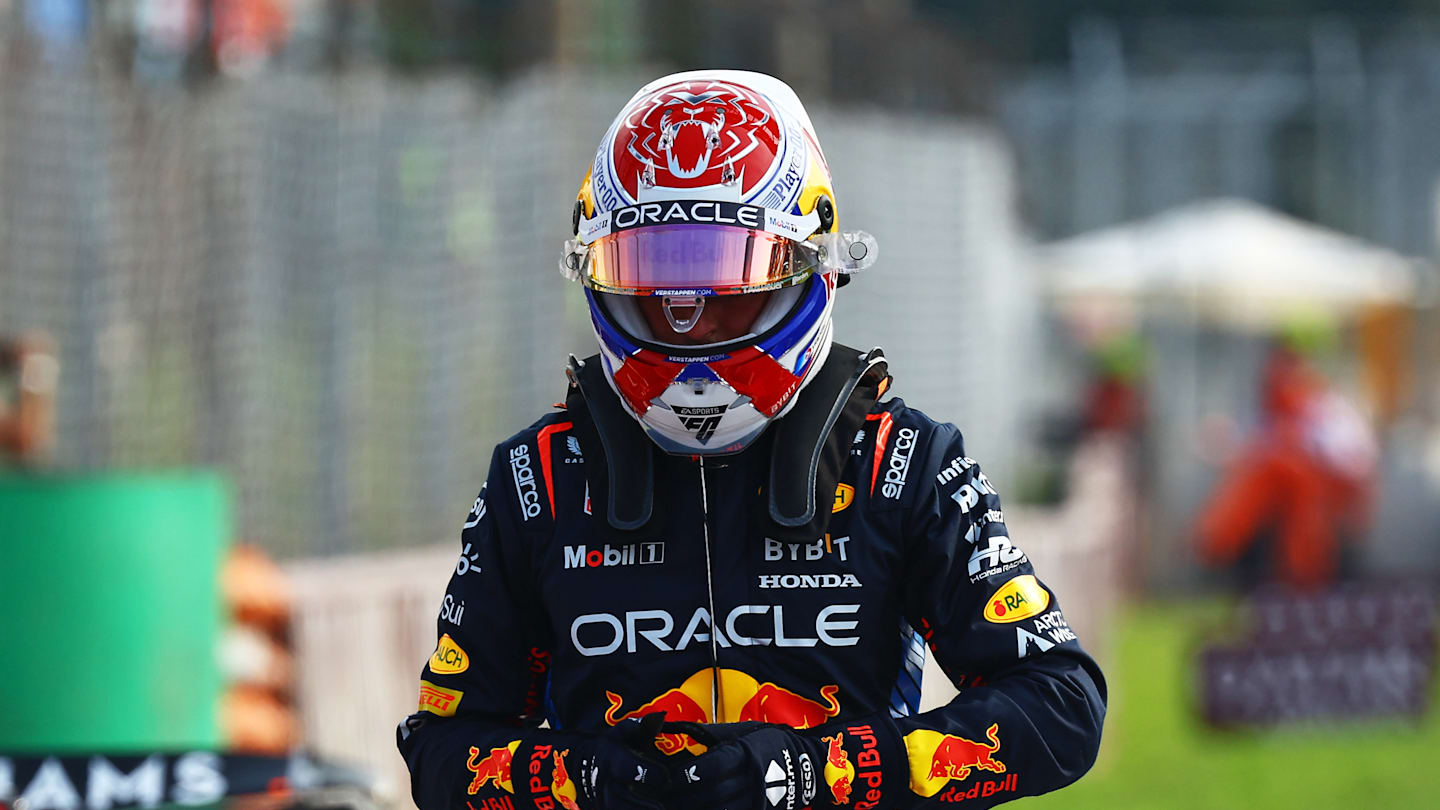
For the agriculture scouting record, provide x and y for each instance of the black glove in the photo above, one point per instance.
(856, 765)
(611, 771)
(748, 766)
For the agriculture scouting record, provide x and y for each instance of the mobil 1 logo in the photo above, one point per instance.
(608, 556)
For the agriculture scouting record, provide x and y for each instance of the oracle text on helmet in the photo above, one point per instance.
(744, 626)
(688, 213)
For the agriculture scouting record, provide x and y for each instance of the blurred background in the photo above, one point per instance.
(275, 275)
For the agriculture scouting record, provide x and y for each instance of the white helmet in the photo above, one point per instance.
(709, 199)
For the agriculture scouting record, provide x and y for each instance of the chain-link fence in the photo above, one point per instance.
(341, 290)
(1329, 118)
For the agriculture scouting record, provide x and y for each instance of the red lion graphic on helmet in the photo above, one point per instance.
(696, 134)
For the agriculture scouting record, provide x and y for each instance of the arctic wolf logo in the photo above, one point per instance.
(697, 134)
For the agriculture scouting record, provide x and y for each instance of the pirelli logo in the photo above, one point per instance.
(439, 700)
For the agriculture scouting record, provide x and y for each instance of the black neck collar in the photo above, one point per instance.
(810, 445)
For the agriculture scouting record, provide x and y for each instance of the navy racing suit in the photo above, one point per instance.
(708, 608)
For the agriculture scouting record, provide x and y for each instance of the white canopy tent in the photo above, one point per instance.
(1225, 261)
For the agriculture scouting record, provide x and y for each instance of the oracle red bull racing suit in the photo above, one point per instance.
(693, 598)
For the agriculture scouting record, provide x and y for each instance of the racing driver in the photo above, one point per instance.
(718, 567)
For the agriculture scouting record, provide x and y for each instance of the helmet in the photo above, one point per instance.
(710, 189)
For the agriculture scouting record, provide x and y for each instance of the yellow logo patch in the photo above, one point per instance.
(448, 658)
(936, 759)
(844, 495)
(439, 700)
(1020, 598)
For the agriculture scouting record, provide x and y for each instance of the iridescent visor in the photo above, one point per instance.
(694, 260)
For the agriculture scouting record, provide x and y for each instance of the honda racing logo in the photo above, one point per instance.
(794, 581)
(999, 556)
(899, 466)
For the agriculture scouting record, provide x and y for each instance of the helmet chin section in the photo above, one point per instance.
(702, 417)
(717, 404)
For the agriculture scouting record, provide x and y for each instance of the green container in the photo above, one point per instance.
(110, 611)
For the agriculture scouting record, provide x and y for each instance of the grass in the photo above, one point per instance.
(1157, 754)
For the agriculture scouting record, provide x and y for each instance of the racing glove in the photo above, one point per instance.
(764, 766)
(577, 771)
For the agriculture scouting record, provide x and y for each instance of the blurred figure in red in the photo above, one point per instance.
(1113, 401)
(1304, 481)
(28, 376)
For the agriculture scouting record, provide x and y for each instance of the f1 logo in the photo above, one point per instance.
(704, 426)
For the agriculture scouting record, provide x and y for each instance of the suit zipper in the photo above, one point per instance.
(715, 696)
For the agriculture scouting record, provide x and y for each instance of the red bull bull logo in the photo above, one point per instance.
(936, 758)
(690, 702)
(562, 787)
(839, 773)
(493, 769)
(741, 698)
(776, 704)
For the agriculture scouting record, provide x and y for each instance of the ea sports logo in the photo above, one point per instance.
(694, 135)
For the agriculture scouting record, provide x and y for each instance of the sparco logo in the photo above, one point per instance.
(608, 555)
(899, 463)
(686, 213)
(525, 488)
